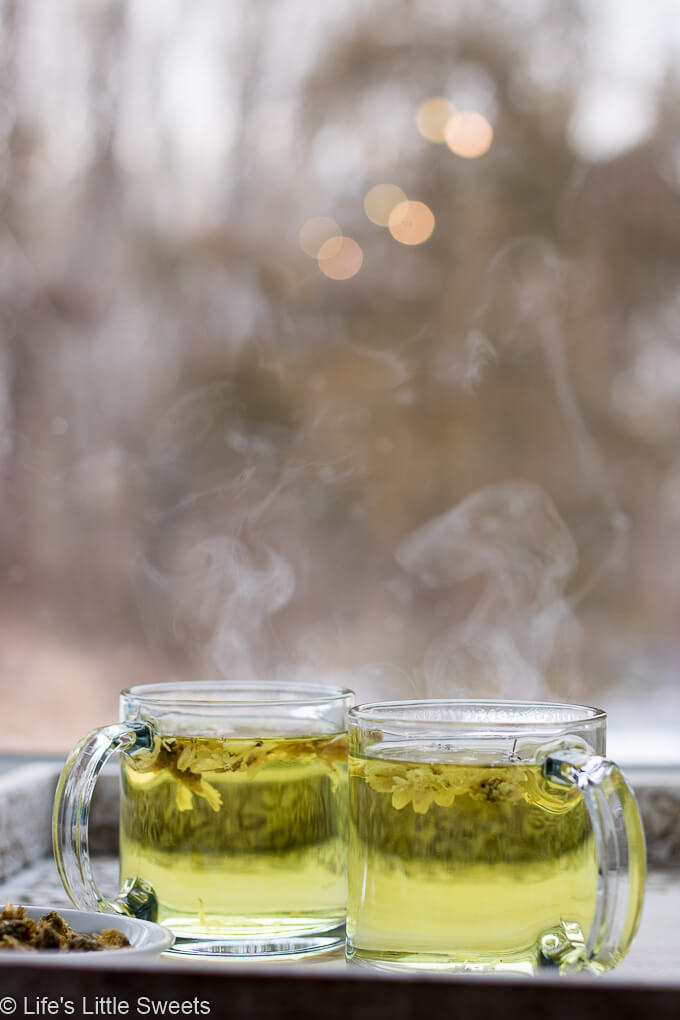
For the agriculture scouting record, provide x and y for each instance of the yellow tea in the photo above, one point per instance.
(239, 837)
(475, 866)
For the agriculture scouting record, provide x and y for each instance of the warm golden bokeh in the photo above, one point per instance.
(381, 200)
(315, 231)
(411, 222)
(340, 258)
(432, 117)
(469, 134)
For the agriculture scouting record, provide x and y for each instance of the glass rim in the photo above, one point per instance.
(384, 713)
(177, 694)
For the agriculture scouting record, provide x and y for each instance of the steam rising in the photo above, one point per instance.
(219, 572)
(223, 594)
(511, 538)
(494, 569)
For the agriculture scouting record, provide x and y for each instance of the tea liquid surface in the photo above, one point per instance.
(481, 866)
(239, 837)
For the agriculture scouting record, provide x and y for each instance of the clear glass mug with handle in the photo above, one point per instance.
(489, 836)
(233, 815)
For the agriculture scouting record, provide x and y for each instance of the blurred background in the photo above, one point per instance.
(340, 341)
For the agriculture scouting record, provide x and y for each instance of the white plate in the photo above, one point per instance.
(147, 939)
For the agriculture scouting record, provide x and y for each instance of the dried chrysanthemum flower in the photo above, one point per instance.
(499, 785)
(418, 787)
(189, 759)
(190, 784)
(422, 784)
(19, 932)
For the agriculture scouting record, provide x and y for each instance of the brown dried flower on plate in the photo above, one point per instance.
(17, 931)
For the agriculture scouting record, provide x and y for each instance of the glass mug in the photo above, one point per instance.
(489, 836)
(233, 815)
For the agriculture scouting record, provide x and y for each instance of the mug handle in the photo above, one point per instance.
(620, 847)
(72, 814)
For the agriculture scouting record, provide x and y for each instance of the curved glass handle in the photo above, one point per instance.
(620, 846)
(72, 814)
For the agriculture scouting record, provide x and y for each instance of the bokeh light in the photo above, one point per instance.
(340, 258)
(380, 201)
(432, 117)
(315, 232)
(411, 222)
(469, 134)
